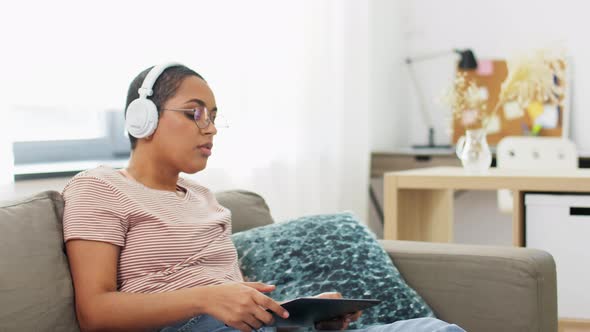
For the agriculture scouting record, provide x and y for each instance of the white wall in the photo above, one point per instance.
(497, 29)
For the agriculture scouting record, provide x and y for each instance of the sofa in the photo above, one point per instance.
(480, 288)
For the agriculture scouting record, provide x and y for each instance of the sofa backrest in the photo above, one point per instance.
(248, 209)
(36, 292)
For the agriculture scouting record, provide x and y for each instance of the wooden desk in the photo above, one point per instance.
(418, 204)
(403, 159)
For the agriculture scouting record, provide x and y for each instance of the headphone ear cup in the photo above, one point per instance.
(141, 119)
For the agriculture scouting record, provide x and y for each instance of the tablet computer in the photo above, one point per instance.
(306, 311)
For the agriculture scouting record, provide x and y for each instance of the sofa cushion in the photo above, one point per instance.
(248, 209)
(36, 292)
(316, 254)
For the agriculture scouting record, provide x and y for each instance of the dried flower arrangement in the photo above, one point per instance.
(531, 78)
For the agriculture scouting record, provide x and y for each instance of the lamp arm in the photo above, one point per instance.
(423, 57)
(421, 105)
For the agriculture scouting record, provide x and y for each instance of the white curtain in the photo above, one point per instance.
(298, 104)
(290, 76)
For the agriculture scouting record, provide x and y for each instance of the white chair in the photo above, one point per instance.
(521, 152)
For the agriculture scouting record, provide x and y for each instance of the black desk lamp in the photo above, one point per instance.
(466, 62)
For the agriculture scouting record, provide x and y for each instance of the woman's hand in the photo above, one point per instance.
(242, 305)
(339, 323)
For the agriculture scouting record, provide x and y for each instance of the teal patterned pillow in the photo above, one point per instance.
(326, 253)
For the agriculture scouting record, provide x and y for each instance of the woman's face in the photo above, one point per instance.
(178, 141)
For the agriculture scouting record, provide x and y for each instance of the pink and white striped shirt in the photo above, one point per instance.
(167, 242)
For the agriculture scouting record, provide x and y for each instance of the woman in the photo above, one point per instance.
(149, 250)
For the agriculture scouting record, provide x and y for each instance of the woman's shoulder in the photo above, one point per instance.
(100, 178)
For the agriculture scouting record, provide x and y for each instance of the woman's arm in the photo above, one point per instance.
(99, 306)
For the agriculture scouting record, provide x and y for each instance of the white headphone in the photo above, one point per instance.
(141, 118)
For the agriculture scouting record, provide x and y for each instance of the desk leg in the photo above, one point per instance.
(518, 218)
(418, 214)
(390, 203)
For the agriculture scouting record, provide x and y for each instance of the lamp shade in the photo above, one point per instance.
(467, 61)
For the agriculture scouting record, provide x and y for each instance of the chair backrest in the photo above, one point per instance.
(521, 152)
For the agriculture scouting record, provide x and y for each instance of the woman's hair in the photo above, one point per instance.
(165, 88)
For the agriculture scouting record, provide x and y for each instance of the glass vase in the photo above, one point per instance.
(474, 152)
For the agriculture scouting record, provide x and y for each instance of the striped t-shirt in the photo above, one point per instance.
(167, 242)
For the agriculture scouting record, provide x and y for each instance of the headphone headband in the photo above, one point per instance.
(146, 89)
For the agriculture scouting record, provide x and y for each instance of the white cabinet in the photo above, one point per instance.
(560, 225)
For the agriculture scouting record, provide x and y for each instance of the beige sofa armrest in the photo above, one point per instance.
(481, 288)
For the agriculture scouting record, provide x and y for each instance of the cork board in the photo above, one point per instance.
(511, 120)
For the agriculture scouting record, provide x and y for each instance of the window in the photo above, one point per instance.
(48, 135)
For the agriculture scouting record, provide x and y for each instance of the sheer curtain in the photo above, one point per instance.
(300, 110)
(290, 76)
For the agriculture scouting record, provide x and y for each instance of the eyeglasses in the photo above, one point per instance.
(202, 117)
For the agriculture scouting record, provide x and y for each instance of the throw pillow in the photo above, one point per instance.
(324, 253)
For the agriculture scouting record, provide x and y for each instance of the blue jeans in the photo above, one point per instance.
(208, 323)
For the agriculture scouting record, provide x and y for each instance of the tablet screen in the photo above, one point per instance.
(307, 311)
